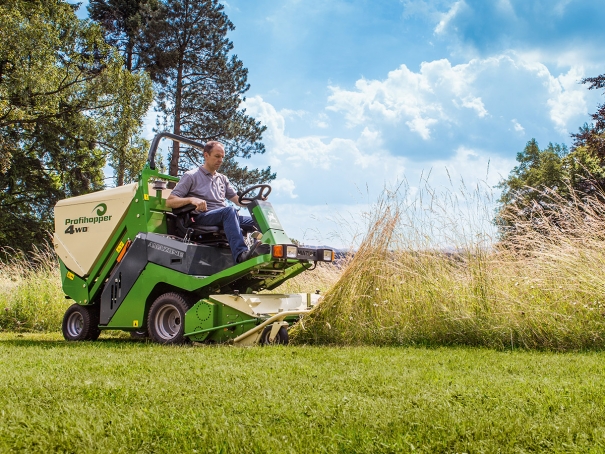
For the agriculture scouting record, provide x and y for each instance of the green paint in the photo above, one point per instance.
(214, 328)
(74, 286)
(271, 228)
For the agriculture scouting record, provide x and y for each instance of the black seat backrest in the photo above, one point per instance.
(180, 221)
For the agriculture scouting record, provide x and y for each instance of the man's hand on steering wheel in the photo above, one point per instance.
(263, 193)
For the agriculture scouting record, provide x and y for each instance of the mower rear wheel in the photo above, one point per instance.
(81, 323)
(166, 319)
(281, 338)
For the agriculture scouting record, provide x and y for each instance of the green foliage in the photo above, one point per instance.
(65, 102)
(544, 177)
(593, 136)
(127, 25)
(124, 24)
(120, 138)
(554, 169)
(537, 170)
(116, 395)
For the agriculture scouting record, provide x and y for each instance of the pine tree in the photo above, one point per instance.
(126, 26)
(201, 86)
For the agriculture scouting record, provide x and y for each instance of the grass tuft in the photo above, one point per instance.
(31, 298)
(542, 291)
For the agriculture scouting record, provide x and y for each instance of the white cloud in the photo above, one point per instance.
(560, 6)
(505, 6)
(567, 97)
(439, 93)
(289, 113)
(347, 174)
(476, 104)
(474, 114)
(420, 99)
(284, 185)
(310, 152)
(471, 166)
(446, 18)
(322, 121)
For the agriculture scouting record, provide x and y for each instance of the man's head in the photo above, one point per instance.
(214, 153)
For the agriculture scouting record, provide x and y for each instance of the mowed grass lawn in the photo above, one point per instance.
(116, 395)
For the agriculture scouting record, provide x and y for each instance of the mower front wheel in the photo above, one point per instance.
(166, 319)
(81, 323)
(281, 338)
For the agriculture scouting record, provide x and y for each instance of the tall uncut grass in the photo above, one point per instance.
(423, 276)
(31, 298)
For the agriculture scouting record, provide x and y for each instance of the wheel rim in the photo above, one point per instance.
(75, 324)
(278, 337)
(168, 322)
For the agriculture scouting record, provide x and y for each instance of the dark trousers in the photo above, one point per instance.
(232, 223)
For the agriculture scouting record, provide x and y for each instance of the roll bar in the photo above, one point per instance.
(175, 138)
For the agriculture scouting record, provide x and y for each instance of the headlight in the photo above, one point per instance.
(328, 255)
(291, 252)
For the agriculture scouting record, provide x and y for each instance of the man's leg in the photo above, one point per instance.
(227, 218)
(247, 223)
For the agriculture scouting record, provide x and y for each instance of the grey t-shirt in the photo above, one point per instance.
(200, 183)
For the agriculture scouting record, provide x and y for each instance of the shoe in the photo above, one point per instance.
(247, 255)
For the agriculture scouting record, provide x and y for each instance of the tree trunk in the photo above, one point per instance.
(176, 149)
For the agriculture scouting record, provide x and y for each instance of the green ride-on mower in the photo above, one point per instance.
(130, 263)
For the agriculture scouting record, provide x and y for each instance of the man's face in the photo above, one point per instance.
(214, 159)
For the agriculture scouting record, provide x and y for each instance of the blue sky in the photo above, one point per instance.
(359, 94)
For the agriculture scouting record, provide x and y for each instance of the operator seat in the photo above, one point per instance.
(180, 222)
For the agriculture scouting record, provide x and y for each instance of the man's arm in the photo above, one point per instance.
(183, 188)
(174, 201)
(235, 199)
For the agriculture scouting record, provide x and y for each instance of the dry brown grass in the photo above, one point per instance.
(545, 291)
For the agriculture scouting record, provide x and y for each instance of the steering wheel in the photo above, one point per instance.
(264, 192)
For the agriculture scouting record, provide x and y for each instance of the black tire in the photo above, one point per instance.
(281, 338)
(81, 323)
(166, 319)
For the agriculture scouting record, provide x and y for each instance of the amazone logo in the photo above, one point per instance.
(161, 247)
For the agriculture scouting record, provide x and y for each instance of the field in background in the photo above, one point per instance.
(116, 395)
